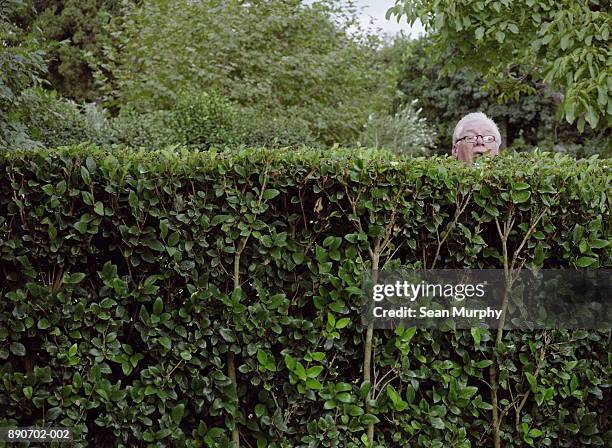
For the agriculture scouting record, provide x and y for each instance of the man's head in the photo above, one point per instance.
(475, 134)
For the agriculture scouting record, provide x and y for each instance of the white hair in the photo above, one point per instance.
(471, 117)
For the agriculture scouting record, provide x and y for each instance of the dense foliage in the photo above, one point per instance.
(74, 32)
(527, 122)
(136, 285)
(404, 132)
(21, 67)
(563, 43)
(286, 58)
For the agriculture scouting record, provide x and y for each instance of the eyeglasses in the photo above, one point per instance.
(474, 138)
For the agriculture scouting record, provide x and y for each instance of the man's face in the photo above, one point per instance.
(476, 138)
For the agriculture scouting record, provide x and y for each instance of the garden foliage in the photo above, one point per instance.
(525, 122)
(287, 58)
(562, 43)
(133, 281)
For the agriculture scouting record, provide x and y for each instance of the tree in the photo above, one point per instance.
(282, 57)
(563, 43)
(74, 33)
(444, 99)
(21, 67)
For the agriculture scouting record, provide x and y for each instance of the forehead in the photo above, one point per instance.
(476, 127)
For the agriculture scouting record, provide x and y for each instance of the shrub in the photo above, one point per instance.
(137, 285)
(53, 121)
(260, 128)
(404, 132)
(205, 119)
(152, 130)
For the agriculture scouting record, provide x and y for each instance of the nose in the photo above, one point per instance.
(479, 140)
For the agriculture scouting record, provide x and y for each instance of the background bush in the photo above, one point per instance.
(151, 130)
(204, 119)
(404, 132)
(134, 281)
(54, 121)
(257, 128)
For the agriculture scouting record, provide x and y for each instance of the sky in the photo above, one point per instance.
(375, 10)
(372, 17)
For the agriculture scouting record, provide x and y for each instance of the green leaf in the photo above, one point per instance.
(318, 356)
(260, 410)
(538, 254)
(165, 342)
(75, 278)
(599, 244)
(174, 239)
(290, 362)
(158, 306)
(43, 324)
(72, 350)
(532, 381)
(262, 357)
(484, 405)
(564, 43)
(467, 392)
(133, 200)
(344, 397)
(99, 208)
(592, 117)
(437, 422)
(60, 189)
(82, 225)
(126, 367)
(155, 245)
(484, 363)
(298, 257)
(27, 391)
(17, 348)
(311, 383)
(85, 175)
(163, 226)
(177, 413)
(331, 320)
(300, 371)
(270, 194)
(520, 196)
(227, 334)
(368, 419)
(91, 164)
(342, 323)
(584, 262)
(535, 432)
(480, 33)
(520, 186)
(364, 389)
(103, 393)
(314, 371)
(475, 335)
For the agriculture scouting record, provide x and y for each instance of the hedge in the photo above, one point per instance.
(175, 298)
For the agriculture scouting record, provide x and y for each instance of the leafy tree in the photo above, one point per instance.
(444, 99)
(21, 67)
(74, 32)
(563, 43)
(283, 57)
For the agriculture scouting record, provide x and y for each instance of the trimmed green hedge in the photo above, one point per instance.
(135, 285)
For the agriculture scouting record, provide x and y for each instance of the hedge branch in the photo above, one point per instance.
(511, 274)
(231, 358)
